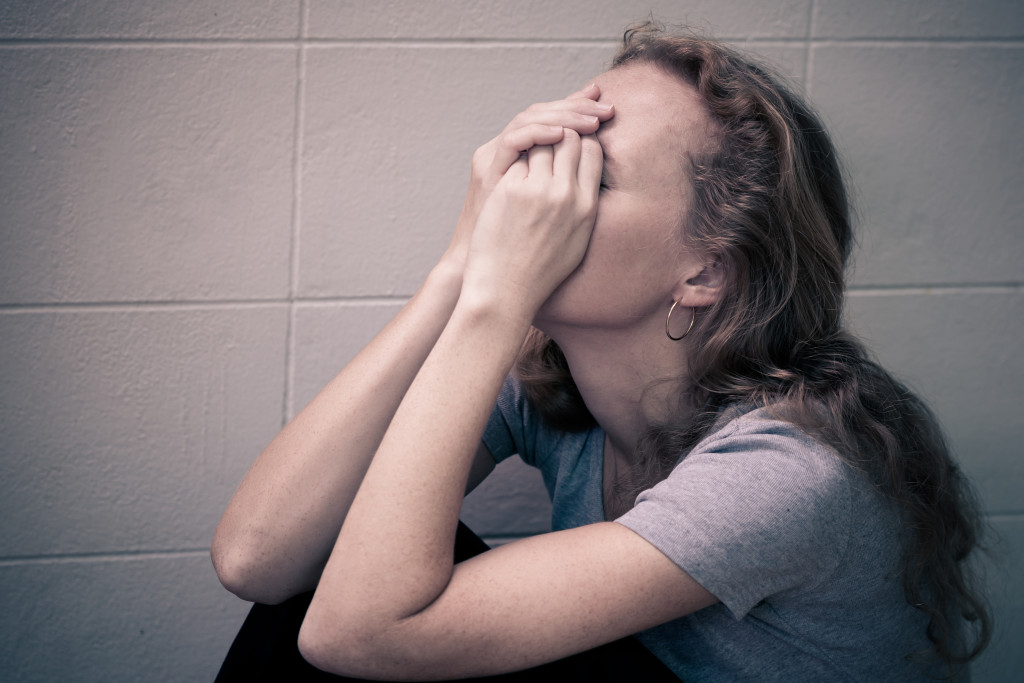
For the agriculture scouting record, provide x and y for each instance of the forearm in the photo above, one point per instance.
(278, 530)
(393, 557)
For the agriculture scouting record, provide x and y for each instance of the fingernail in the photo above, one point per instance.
(592, 119)
(555, 129)
(601, 106)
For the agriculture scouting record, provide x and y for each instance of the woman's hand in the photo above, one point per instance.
(283, 521)
(540, 124)
(535, 227)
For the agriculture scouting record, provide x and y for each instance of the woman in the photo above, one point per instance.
(732, 478)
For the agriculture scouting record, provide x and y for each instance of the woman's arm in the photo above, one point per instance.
(274, 537)
(390, 602)
(279, 527)
(520, 605)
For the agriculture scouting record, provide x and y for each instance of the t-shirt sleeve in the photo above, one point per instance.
(757, 509)
(511, 429)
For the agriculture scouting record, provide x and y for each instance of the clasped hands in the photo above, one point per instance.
(532, 202)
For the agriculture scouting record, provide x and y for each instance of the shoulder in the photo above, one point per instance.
(745, 420)
(761, 450)
(757, 507)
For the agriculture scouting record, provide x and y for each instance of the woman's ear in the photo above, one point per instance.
(704, 287)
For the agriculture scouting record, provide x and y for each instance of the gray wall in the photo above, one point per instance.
(207, 207)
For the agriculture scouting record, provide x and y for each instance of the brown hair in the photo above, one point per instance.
(770, 203)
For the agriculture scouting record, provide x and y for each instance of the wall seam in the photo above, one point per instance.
(144, 44)
(808, 61)
(1002, 516)
(84, 558)
(157, 43)
(140, 306)
(906, 41)
(938, 288)
(293, 255)
(292, 302)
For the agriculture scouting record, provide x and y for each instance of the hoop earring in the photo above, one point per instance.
(668, 319)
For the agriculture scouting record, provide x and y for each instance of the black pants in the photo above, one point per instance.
(266, 648)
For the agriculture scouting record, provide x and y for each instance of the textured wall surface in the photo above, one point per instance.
(207, 207)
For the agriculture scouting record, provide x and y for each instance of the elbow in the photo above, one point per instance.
(235, 574)
(318, 651)
(246, 576)
(331, 651)
(346, 645)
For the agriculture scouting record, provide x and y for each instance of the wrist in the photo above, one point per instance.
(446, 274)
(505, 307)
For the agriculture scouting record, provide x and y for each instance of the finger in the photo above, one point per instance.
(513, 143)
(519, 169)
(590, 91)
(563, 112)
(584, 116)
(541, 160)
(591, 163)
(567, 155)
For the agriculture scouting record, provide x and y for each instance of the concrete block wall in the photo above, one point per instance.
(206, 208)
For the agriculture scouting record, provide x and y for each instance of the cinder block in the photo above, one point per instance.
(788, 60)
(146, 618)
(326, 337)
(130, 429)
(149, 19)
(931, 136)
(961, 352)
(145, 174)
(1003, 661)
(511, 502)
(532, 19)
(875, 19)
(389, 133)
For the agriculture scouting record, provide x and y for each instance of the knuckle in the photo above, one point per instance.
(571, 134)
(507, 139)
(521, 119)
(480, 163)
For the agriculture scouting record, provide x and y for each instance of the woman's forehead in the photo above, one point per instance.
(657, 115)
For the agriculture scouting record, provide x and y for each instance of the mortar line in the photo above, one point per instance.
(615, 41)
(808, 64)
(284, 43)
(155, 306)
(135, 43)
(388, 299)
(358, 301)
(293, 254)
(69, 558)
(1003, 516)
(144, 306)
(910, 41)
(944, 288)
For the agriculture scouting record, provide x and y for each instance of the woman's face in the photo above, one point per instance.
(636, 257)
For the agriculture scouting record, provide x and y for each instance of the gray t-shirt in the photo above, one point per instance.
(801, 551)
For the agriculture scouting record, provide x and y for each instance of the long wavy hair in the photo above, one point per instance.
(770, 204)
